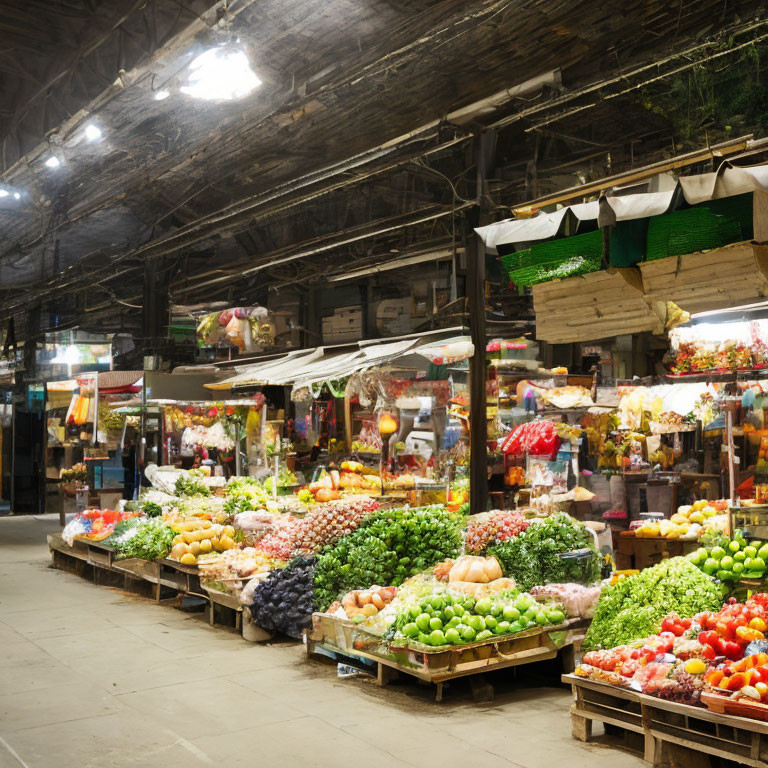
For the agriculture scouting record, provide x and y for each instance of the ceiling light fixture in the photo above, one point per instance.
(92, 132)
(221, 75)
(4, 193)
(164, 94)
(16, 196)
(52, 162)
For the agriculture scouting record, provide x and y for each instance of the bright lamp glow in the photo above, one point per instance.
(52, 162)
(17, 196)
(4, 193)
(221, 75)
(164, 94)
(92, 132)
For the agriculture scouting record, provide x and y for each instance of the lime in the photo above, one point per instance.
(514, 626)
(458, 610)
(435, 623)
(502, 627)
(491, 622)
(530, 615)
(453, 636)
(469, 603)
(484, 635)
(422, 621)
(437, 603)
(763, 552)
(726, 563)
(436, 637)
(739, 557)
(758, 564)
(454, 622)
(748, 564)
(737, 568)
(448, 613)
(477, 623)
(750, 551)
(541, 619)
(483, 606)
(468, 634)
(411, 630)
(733, 546)
(710, 566)
(718, 553)
(510, 613)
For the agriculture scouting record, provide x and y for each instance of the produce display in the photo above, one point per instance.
(634, 607)
(729, 631)
(490, 528)
(244, 493)
(93, 525)
(151, 540)
(365, 603)
(228, 570)
(77, 473)
(283, 601)
(687, 524)
(745, 679)
(538, 438)
(731, 560)
(190, 486)
(577, 599)
(557, 549)
(387, 547)
(449, 618)
(195, 538)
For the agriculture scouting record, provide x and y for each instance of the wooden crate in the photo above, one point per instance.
(440, 665)
(593, 306)
(699, 282)
(669, 731)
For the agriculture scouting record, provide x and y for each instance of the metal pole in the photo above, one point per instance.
(237, 449)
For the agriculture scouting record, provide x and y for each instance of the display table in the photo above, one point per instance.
(671, 733)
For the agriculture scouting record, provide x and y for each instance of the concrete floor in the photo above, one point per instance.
(90, 676)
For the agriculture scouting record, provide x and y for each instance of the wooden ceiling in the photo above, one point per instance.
(222, 187)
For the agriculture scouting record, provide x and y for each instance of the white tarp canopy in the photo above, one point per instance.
(726, 181)
(540, 227)
(546, 225)
(303, 368)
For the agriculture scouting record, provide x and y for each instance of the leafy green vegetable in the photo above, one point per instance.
(533, 557)
(388, 547)
(244, 493)
(635, 606)
(188, 486)
(124, 530)
(153, 539)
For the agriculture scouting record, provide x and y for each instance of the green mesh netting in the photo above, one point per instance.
(627, 242)
(702, 227)
(553, 259)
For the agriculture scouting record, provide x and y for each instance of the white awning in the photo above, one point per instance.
(628, 207)
(263, 373)
(726, 181)
(541, 227)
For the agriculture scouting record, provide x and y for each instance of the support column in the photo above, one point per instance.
(155, 307)
(484, 151)
(478, 426)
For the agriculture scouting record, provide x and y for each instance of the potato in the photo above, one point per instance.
(377, 600)
(369, 609)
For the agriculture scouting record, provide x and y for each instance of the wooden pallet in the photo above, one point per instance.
(443, 666)
(160, 578)
(669, 731)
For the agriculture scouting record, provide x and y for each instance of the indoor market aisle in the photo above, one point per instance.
(93, 677)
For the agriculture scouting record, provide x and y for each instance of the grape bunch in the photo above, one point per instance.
(682, 687)
(283, 601)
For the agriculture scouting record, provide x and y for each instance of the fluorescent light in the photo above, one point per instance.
(221, 75)
(164, 94)
(92, 132)
(52, 162)
(4, 193)
(16, 196)
(730, 310)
